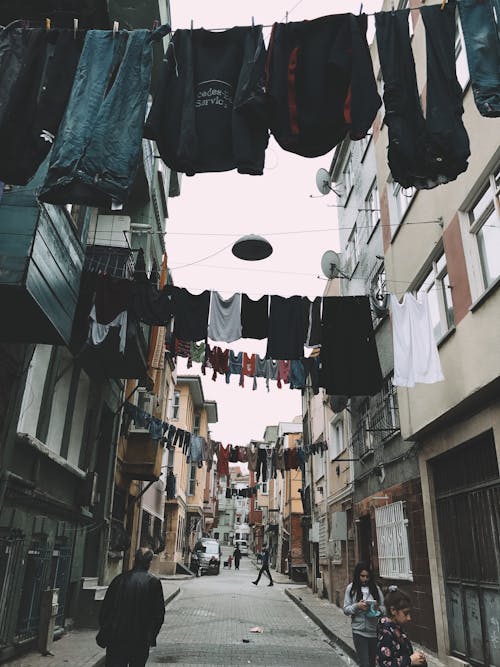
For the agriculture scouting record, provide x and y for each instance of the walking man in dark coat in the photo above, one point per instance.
(265, 567)
(132, 614)
(237, 557)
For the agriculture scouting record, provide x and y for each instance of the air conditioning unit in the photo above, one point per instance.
(109, 230)
(145, 402)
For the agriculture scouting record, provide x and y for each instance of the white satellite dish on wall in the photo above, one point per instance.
(331, 265)
(324, 182)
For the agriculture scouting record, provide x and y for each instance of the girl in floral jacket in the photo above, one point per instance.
(394, 649)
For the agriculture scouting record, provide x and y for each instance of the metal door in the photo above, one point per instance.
(468, 508)
(11, 551)
(37, 568)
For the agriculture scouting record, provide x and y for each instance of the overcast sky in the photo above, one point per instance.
(283, 205)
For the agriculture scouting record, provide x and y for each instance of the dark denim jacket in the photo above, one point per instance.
(96, 154)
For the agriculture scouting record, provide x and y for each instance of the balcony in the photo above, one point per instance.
(378, 423)
(41, 260)
(142, 457)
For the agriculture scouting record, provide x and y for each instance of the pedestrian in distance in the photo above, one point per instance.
(230, 562)
(363, 603)
(394, 648)
(131, 614)
(237, 557)
(264, 567)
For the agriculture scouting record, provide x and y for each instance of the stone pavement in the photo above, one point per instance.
(77, 648)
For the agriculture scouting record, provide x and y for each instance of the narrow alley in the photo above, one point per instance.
(209, 623)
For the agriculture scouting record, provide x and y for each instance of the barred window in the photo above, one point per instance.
(392, 540)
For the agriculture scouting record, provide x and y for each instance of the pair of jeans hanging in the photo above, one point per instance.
(96, 154)
(423, 152)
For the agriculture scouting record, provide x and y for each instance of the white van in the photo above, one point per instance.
(243, 545)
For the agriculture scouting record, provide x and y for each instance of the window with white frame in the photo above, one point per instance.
(372, 208)
(336, 437)
(319, 465)
(264, 488)
(436, 285)
(176, 405)
(352, 250)
(348, 176)
(392, 542)
(399, 202)
(196, 427)
(484, 220)
(192, 479)
(462, 66)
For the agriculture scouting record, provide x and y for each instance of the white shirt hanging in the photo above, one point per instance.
(416, 357)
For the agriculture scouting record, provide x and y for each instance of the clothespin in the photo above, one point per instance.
(75, 27)
(47, 24)
(191, 25)
(443, 2)
(116, 26)
(286, 17)
(253, 23)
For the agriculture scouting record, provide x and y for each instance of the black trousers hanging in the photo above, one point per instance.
(261, 465)
(423, 152)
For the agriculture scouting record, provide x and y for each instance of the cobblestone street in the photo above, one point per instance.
(209, 624)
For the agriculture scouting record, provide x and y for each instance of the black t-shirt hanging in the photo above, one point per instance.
(191, 314)
(286, 328)
(254, 317)
(349, 357)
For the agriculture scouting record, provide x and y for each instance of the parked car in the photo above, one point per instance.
(243, 545)
(206, 556)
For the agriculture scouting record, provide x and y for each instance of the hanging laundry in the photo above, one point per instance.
(242, 454)
(313, 335)
(261, 465)
(196, 449)
(170, 485)
(272, 371)
(480, 26)
(260, 371)
(14, 41)
(287, 328)
(197, 352)
(218, 360)
(182, 348)
(349, 357)
(235, 364)
(225, 318)
(252, 457)
(233, 454)
(97, 150)
(248, 368)
(112, 296)
(223, 460)
(430, 151)
(190, 313)
(254, 317)
(283, 372)
(209, 110)
(311, 371)
(416, 357)
(37, 102)
(297, 374)
(320, 83)
(148, 303)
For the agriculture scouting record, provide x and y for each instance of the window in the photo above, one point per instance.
(399, 202)
(384, 417)
(437, 287)
(484, 220)
(264, 490)
(461, 56)
(347, 174)
(336, 437)
(392, 541)
(226, 537)
(366, 434)
(192, 479)
(352, 250)
(372, 208)
(176, 405)
(196, 427)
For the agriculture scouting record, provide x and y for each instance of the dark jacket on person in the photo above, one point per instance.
(209, 110)
(133, 610)
(237, 556)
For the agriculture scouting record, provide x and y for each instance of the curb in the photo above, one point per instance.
(169, 598)
(328, 632)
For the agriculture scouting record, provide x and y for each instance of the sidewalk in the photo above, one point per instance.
(77, 648)
(335, 624)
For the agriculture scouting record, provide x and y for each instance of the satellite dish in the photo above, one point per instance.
(330, 264)
(338, 403)
(323, 180)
